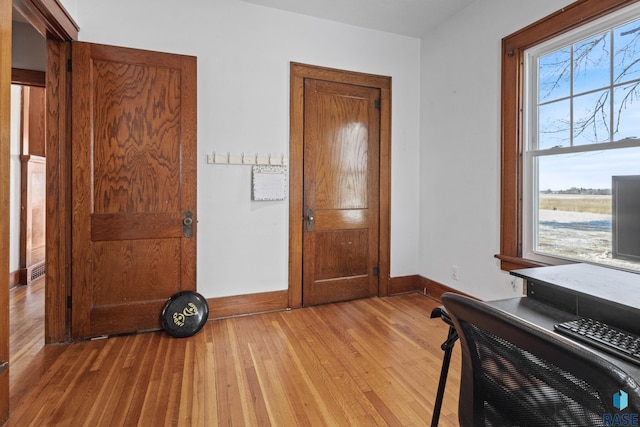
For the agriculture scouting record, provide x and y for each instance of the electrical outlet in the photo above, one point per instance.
(454, 272)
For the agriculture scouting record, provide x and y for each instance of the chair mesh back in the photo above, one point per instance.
(515, 387)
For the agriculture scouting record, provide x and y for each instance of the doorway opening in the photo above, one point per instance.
(27, 258)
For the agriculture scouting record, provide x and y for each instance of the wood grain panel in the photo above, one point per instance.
(341, 219)
(134, 270)
(136, 113)
(136, 226)
(58, 201)
(28, 77)
(339, 171)
(108, 318)
(339, 254)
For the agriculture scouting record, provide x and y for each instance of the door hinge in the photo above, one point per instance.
(68, 65)
(69, 301)
(377, 104)
(376, 270)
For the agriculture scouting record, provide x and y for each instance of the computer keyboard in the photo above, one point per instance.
(603, 336)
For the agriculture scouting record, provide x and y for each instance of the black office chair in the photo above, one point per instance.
(447, 347)
(517, 374)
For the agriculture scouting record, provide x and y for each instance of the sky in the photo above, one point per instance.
(594, 103)
(587, 170)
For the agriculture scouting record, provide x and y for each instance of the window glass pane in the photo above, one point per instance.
(554, 129)
(626, 110)
(588, 95)
(554, 75)
(591, 118)
(627, 52)
(574, 204)
(592, 64)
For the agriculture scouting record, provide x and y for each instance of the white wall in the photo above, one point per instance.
(243, 54)
(28, 48)
(71, 6)
(460, 145)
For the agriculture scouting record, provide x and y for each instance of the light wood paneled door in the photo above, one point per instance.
(133, 186)
(337, 114)
(341, 190)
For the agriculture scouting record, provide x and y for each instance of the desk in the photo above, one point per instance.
(561, 293)
(608, 295)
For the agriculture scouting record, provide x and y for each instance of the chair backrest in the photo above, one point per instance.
(515, 373)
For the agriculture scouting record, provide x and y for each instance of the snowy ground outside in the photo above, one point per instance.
(578, 235)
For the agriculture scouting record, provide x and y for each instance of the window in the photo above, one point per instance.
(581, 110)
(570, 108)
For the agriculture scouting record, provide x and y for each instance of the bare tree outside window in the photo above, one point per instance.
(589, 91)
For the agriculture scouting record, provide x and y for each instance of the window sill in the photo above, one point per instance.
(508, 263)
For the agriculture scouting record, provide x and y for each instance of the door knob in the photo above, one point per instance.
(187, 224)
(310, 219)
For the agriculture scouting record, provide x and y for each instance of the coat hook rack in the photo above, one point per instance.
(247, 159)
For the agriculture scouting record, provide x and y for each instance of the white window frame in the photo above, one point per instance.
(530, 188)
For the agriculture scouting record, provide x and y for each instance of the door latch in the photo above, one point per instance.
(187, 224)
(310, 219)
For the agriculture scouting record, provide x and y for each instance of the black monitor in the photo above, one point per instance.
(625, 201)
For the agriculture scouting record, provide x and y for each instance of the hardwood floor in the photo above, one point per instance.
(367, 362)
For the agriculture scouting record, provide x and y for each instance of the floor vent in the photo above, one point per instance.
(38, 271)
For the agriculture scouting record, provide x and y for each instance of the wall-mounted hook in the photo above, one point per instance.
(244, 158)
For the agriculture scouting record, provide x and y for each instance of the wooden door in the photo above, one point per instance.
(341, 191)
(133, 184)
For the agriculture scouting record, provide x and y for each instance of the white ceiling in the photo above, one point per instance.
(408, 17)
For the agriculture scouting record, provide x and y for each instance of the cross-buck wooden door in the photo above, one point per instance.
(341, 192)
(133, 186)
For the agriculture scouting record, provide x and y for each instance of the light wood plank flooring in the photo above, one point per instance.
(360, 363)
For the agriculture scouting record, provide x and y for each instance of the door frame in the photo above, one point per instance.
(54, 23)
(5, 179)
(50, 19)
(298, 73)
